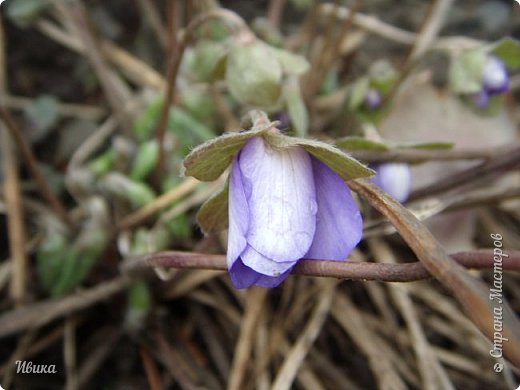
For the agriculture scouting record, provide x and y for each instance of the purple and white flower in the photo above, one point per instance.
(394, 178)
(285, 205)
(494, 77)
(480, 99)
(373, 99)
(495, 81)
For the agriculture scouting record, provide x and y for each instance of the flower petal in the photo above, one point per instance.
(279, 187)
(272, 281)
(495, 77)
(243, 277)
(263, 265)
(338, 223)
(238, 215)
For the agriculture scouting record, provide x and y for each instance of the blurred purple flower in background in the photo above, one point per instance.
(285, 205)
(480, 99)
(373, 99)
(494, 78)
(394, 178)
(495, 81)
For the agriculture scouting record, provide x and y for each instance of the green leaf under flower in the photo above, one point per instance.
(213, 214)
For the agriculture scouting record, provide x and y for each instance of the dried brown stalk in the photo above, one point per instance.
(498, 165)
(255, 302)
(33, 166)
(471, 293)
(352, 270)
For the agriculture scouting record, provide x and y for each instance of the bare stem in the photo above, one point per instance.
(415, 155)
(352, 270)
(13, 197)
(275, 12)
(471, 293)
(177, 50)
(34, 168)
(498, 165)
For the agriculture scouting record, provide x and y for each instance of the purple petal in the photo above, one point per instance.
(394, 178)
(279, 187)
(243, 277)
(272, 281)
(262, 264)
(494, 77)
(481, 99)
(373, 99)
(338, 222)
(238, 215)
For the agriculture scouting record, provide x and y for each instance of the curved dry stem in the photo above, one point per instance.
(175, 58)
(471, 293)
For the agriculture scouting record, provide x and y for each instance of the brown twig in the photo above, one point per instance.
(83, 111)
(374, 25)
(33, 166)
(430, 29)
(133, 68)
(432, 373)
(175, 52)
(104, 340)
(150, 368)
(161, 202)
(498, 165)
(329, 53)
(112, 86)
(254, 305)
(352, 270)
(471, 293)
(69, 353)
(297, 354)
(418, 155)
(175, 57)
(13, 198)
(434, 206)
(275, 12)
(150, 13)
(43, 312)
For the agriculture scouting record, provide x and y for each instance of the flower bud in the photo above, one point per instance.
(254, 74)
(480, 99)
(373, 99)
(394, 178)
